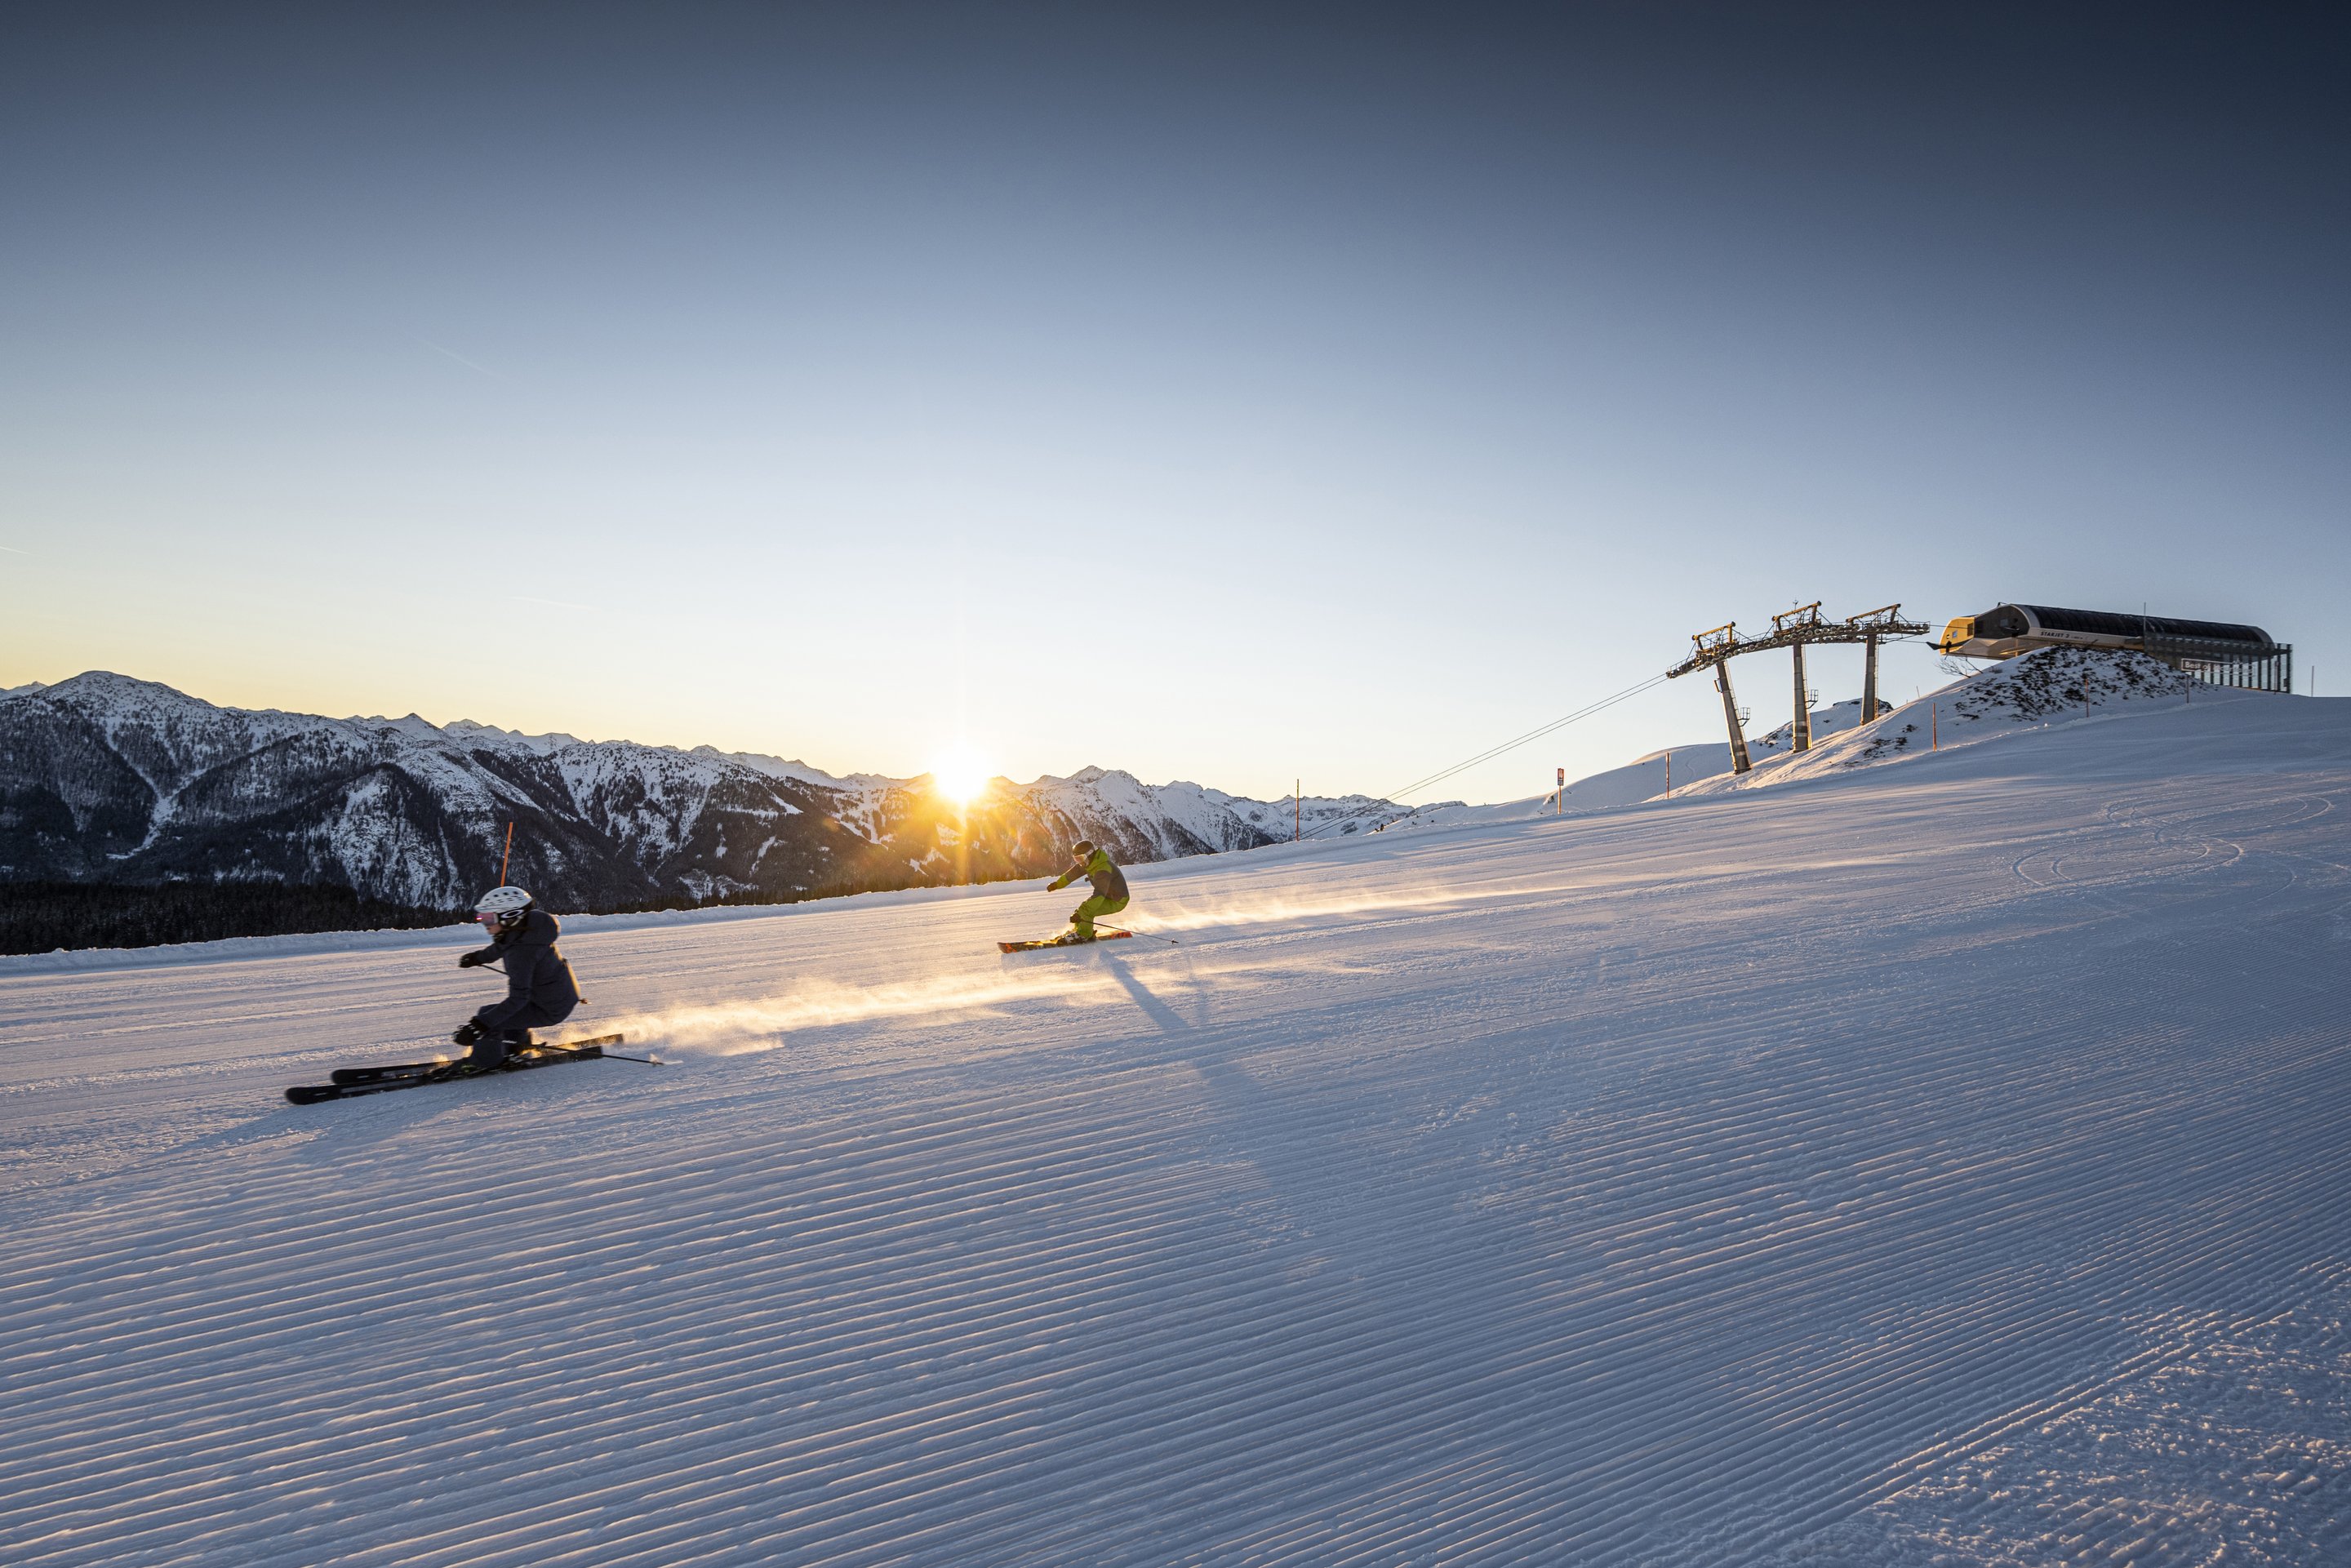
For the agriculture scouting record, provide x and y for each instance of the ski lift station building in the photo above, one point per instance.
(2218, 652)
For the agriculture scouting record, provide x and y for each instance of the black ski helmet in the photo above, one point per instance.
(1083, 848)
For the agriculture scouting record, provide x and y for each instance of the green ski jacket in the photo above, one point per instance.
(1108, 880)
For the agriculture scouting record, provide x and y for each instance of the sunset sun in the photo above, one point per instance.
(961, 774)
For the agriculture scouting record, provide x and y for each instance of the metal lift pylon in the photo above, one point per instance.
(1738, 763)
(1793, 630)
(1714, 648)
(1884, 621)
(1800, 728)
(1786, 624)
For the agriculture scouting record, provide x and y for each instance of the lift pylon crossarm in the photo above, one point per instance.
(1716, 638)
(1802, 616)
(1886, 622)
(1802, 631)
(1709, 647)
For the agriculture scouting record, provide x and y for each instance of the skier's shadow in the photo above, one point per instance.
(1169, 1021)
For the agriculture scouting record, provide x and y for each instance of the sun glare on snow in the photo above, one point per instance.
(960, 774)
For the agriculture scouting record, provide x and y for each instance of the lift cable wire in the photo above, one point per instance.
(1394, 797)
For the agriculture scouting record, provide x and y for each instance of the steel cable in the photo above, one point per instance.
(1394, 797)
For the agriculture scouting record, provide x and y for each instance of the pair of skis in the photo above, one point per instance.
(351, 1082)
(1071, 939)
(1068, 939)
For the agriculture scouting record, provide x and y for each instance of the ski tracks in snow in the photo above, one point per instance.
(1743, 1180)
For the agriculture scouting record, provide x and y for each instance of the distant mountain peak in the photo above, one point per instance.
(105, 686)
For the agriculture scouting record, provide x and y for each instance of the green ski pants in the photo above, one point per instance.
(1083, 917)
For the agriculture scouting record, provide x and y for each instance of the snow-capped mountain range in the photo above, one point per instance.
(108, 778)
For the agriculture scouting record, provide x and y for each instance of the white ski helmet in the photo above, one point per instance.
(503, 904)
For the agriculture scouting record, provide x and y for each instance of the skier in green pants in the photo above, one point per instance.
(1110, 888)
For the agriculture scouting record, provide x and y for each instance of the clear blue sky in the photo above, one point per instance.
(1215, 396)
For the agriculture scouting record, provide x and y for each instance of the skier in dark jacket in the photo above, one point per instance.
(541, 990)
(1109, 883)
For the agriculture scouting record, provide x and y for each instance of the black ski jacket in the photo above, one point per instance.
(536, 975)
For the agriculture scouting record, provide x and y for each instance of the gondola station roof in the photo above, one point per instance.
(2006, 630)
(2224, 653)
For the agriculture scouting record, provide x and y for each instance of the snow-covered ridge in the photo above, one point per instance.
(109, 779)
(2049, 687)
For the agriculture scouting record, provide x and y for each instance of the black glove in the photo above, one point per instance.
(470, 959)
(467, 1035)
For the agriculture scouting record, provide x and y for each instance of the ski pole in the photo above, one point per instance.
(605, 1055)
(1151, 936)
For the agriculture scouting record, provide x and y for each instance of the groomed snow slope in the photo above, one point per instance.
(1939, 1162)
